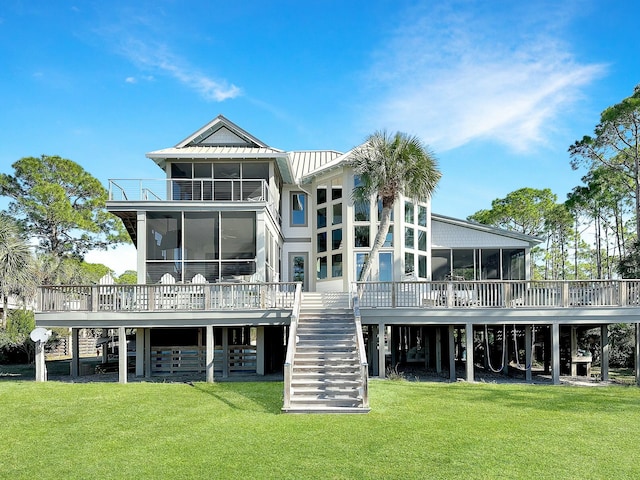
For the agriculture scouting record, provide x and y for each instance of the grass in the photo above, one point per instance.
(235, 430)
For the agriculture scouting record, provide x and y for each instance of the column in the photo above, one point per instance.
(604, 357)
(555, 353)
(225, 352)
(260, 350)
(209, 355)
(372, 347)
(638, 354)
(528, 353)
(452, 354)
(147, 352)
(574, 351)
(438, 350)
(122, 355)
(75, 352)
(140, 353)
(382, 368)
(468, 330)
(41, 368)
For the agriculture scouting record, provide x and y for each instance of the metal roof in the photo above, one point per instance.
(305, 162)
(215, 152)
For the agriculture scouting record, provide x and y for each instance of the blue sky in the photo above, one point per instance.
(498, 89)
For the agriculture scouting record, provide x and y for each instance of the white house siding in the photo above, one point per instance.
(446, 235)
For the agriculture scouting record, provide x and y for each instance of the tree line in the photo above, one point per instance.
(594, 232)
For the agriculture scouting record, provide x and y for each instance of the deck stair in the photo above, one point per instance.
(326, 367)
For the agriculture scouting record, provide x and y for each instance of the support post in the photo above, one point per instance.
(574, 351)
(555, 353)
(41, 366)
(528, 354)
(147, 352)
(372, 347)
(638, 354)
(75, 352)
(225, 352)
(122, 355)
(210, 347)
(604, 357)
(382, 368)
(260, 350)
(468, 330)
(452, 354)
(438, 349)
(140, 353)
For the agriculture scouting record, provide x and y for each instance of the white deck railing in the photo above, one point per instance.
(193, 189)
(188, 189)
(291, 346)
(362, 353)
(159, 297)
(502, 294)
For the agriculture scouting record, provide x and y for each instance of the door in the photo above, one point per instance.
(299, 269)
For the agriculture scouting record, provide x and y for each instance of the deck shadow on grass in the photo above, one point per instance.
(267, 397)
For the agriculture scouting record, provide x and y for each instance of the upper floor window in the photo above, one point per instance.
(298, 209)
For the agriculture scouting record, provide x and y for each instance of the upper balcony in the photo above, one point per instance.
(123, 191)
(180, 190)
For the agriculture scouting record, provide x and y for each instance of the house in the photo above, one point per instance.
(247, 260)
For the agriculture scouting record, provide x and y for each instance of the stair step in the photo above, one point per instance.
(321, 402)
(325, 410)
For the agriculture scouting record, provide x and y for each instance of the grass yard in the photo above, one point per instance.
(235, 430)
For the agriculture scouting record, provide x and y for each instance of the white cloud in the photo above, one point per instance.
(160, 59)
(452, 78)
(130, 80)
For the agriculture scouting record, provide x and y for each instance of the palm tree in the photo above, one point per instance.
(390, 165)
(16, 272)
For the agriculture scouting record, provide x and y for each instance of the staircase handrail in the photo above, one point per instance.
(364, 365)
(291, 345)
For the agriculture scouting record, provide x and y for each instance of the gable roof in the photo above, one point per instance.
(221, 138)
(221, 132)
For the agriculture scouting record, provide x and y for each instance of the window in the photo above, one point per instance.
(408, 237)
(409, 266)
(361, 236)
(213, 244)
(298, 209)
(422, 215)
(361, 259)
(422, 266)
(362, 212)
(336, 218)
(336, 239)
(385, 267)
(408, 212)
(336, 265)
(422, 240)
(321, 218)
(321, 195)
(388, 241)
(322, 242)
(328, 238)
(322, 268)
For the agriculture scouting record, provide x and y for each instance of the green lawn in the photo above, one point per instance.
(236, 430)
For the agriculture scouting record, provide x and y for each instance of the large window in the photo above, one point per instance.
(218, 245)
(329, 227)
(478, 264)
(220, 181)
(415, 240)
